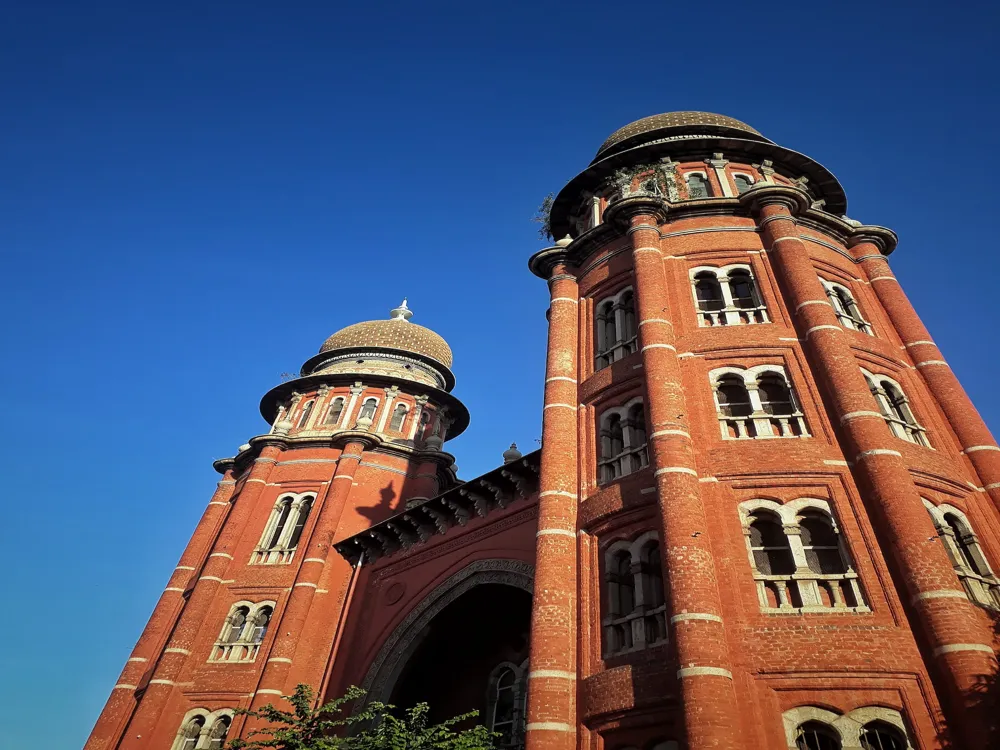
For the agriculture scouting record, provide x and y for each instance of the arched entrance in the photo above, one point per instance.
(463, 648)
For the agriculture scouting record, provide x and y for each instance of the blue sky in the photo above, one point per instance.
(194, 195)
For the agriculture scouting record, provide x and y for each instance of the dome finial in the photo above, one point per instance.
(401, 313)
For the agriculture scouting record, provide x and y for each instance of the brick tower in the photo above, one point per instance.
(764, 514)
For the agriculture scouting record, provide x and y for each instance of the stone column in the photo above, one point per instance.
(213, 575)
(122, 701)
(711, 713)
(869, 245)
(552, 715)
(954, 630)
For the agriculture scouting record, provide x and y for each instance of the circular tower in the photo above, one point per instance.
(768, 510)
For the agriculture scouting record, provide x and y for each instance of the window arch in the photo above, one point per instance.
(697, 185)
(846, 307)
(202, 729)
(867, 727)
(283, 530)
(623, 441)
(727, 296)
(506, 700)
(219, 733)
(368, 409)
(963, 548)
(615, 330)
(191, 732)
(798, 558)
(243, 632)
(743, 183)
(335, 411)
(895, 408)
(880, 735)
(398, 416)
(306, 413)
(635, 611)
(756, 403)
(814, 735)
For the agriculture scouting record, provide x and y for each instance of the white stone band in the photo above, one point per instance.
(879, 452)
(659, 346)
(856, 414)
(929, 362)
(695, 616)
(820, 328)
(953, 647)
(555, 532)
(974, 448)
(675, 470)
(661, 433)
(701, 671)
(940, 594)
(557, 674)
(550, 726)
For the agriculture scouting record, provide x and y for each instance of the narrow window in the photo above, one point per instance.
(697, 186)
(896, 412)
(814, 735)
(775, 398)
(398, 415)
(622, 585)
(505, 700)
(335, 410)
(612, 447)
(279, 527)
(306, 411)
(220, 730)
(965, 545)
(846, 308)
(880, 735)
(628, 333)
(743, 290)
(368, 409)
(772, 554)
(300, 523)
(650, 573)
(191, 733)
(261, 620)
(637, 438)
(734, 400)
(743, 183)
(708, 291)
(821, 544)
(237, 625)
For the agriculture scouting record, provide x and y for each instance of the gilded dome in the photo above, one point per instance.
(395, 333)
(696, 122)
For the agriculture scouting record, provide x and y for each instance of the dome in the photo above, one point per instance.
(690, 122)
(395, 333)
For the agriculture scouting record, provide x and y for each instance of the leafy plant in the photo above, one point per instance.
(376, 727)
(543, 216)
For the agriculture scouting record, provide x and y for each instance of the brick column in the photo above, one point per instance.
(954, 631)
(869, 245)
(213, 574)
(290, 622)
(711, 712)
(552, 719)
(122, 702)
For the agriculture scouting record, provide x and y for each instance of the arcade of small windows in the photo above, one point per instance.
(284, 528)
(243, 632)
(896, 409)
(798, 558)
(868, 728)
(727, 296)
(756, 403)
(202, 729)
(623, 441)
(398, 417)
(506, 700)
(962, 545)
(743, 182)
(635, 612)
(615, 332)
(845, 307)
(368, 409)
(697, 185)
(335, 411)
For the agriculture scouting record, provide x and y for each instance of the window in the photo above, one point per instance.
(398, 415)
(615, 332)
(243, 632)
(756, 403)
(506, 698)
(880, 735)
(895, 409)
(217, 738)
(727, 296)
(635, 613)
(697, 185)
(202, 729)
(283, 530)
(191, 732)
(623, 442)
(742, 182)
(798, 559)
(962, 545)
(816, 736)
(845, 307)
(335, 411)
(306, 412)
(368, 409)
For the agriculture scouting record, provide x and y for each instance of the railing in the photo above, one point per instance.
(903, 429)
(619, 350)
(275, 556)
(760, 424)
(984, 590)
(624, 463)
(234, 652)
(730, 316)
(635, 631)
(806, 591)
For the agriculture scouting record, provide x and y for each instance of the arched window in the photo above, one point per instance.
(845, 307)
(504, 712)
(622, 587)
(814, 735)
(967, 548)
(306, 411)
(962, 546)
(301, 516)
(896, 410)
(623, 442)
(284, 509)
(191, 733)
(727, 296)
(697, 185)
(335, 410)
(398, 415)
(821, 544)
(634, 610)
(772, 554)
(651, 579)
(283, 530)
(237, 625)
(636, 436)
(775, 397)
(368, 409)
(743, 183)
(881, 735)
(756, 403)
(743, 290)
(734, 407)
(260, 622)
(708, 292)
(220, 730)
(615, 331)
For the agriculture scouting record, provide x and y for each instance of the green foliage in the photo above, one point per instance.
(544, 217)
(375, 727)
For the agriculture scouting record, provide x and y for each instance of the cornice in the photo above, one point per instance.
(622, 211)
(795, 199)
(884, 239)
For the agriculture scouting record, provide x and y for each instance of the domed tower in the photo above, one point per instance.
(252, 608)
(768, 511)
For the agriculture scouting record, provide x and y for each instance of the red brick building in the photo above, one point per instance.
(764, 513)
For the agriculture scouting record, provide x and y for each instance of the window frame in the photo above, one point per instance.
(896, 409)
(848, 314)
(626, 338)
(243, 649)
(633, 456)
(276, 546)
(760, 423)
(625, 632)
(731, 313)
(981, 589)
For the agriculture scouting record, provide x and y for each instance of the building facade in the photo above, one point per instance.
(764, 513)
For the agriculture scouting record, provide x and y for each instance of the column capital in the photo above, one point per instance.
(551, 261)
(883, 239)
(621, 212)
(367, 440)
(795, 199)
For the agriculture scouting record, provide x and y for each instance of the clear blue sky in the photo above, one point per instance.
(194, 195)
